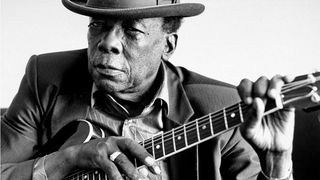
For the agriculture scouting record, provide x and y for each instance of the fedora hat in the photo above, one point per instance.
(133, 8)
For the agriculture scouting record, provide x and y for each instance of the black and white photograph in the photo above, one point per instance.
(160, 90)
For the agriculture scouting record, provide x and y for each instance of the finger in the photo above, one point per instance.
(245, 90)
(140, 153)
(288, 78)
(260, 87)
(105, 164)
(259, 107)
(275, 86)
(255, 120)
(144, 171)
(111, 170)
(126, 166)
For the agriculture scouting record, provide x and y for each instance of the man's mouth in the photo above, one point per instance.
(109, 71)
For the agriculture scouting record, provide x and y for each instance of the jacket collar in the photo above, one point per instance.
(180, 110)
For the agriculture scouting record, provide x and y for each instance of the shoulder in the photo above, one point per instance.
(204, 93)
(58, 68)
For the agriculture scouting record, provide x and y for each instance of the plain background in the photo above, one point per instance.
(229, 41)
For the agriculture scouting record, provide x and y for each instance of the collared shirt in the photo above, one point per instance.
(139, 128)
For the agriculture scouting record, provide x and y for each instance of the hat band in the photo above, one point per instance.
(121, 4)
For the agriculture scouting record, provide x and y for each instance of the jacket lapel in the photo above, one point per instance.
(184, 164)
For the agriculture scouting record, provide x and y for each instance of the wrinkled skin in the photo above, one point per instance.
(124, 56)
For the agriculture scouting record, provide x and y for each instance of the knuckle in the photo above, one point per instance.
(121, 161)
(245, 87)
(262, 79)
(129, 144)
(244, 82)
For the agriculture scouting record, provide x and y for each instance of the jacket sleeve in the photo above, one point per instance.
(238, 159)
(19, 136)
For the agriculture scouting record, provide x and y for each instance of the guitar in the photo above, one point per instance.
(302, 93)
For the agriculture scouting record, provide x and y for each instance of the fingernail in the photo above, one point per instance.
(149, 160)
(157, 169)
(273, 93)
(144, 172)
(248, 100)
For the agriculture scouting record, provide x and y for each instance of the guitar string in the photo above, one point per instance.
(286, 88)
(214, 118)
(180, 130)
(200, 120)
(204, 119)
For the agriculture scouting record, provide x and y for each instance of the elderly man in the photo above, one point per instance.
(143, 106)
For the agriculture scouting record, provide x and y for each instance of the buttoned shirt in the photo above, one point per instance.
(139, 128)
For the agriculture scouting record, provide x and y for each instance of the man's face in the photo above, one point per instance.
(125, 55)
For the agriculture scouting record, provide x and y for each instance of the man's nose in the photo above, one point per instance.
(111, 42)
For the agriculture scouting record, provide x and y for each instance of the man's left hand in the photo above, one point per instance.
(270, 135)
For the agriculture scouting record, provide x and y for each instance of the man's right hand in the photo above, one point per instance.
(96, 154)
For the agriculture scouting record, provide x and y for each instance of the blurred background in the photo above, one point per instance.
(229, 41)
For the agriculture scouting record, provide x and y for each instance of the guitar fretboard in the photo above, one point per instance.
(194, 132)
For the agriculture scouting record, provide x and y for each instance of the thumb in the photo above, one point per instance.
(253, 123)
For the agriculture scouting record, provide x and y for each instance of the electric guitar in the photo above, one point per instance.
(302, 93)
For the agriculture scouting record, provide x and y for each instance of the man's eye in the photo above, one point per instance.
(133, 31)
(95, 25)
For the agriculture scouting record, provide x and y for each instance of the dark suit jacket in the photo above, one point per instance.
(56, 90)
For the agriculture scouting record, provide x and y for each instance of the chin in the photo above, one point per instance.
(110, 86)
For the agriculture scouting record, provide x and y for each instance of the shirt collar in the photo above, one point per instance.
(162, 93)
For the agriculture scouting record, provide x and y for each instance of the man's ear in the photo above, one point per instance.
(171, 44)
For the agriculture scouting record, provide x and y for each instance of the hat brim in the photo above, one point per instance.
(180, 10)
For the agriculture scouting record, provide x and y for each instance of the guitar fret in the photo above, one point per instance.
(153, 154)
(225, 118)
(149, 148)
(185, 134)
(210, 120)
(198, 134)
(162, 140)
(240, 112)
(174, 142)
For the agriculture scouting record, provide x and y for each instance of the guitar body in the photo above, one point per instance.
(76, 132)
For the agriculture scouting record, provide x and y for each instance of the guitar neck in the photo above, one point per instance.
(194, 132)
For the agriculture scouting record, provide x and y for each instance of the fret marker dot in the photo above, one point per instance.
(204, 127)
(179, 137)
(233, 115)
(158, 146)
(85, 177)
(96, 172)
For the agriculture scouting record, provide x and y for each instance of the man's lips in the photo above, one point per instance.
(110, 71)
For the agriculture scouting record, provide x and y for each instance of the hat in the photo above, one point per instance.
(133, 8)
